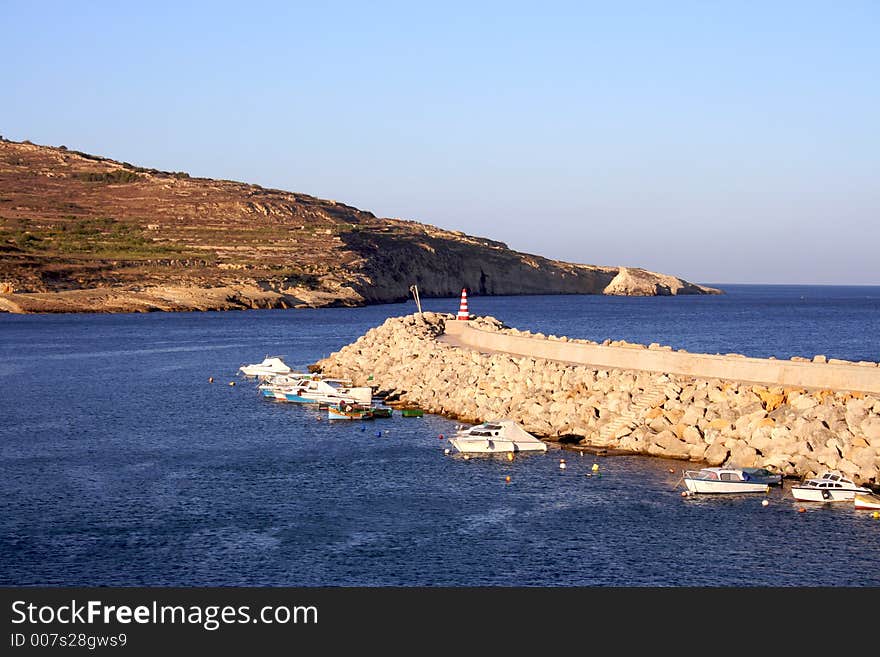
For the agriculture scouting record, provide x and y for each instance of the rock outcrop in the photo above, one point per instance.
(794, 430)
(83, 233)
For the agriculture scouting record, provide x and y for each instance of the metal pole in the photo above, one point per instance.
(415, 290)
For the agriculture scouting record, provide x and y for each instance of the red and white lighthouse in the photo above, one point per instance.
(462, 307)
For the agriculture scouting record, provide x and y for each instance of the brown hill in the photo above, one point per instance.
(82, 233)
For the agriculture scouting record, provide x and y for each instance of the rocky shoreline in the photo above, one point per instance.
(797, 431)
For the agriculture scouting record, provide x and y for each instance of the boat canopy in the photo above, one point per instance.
(505, 429)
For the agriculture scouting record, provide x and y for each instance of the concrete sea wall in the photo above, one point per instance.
(800, 417)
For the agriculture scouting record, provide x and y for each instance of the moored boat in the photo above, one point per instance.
(311, 391)
(412, 412)
(498, 436)
(723, 480)
(349, 412)
(380, 412)
(829, 487)
(271, 366)
(868, 501)
(763, 475)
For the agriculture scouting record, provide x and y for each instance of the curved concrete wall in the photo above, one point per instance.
(832, 376)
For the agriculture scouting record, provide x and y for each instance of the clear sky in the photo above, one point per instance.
(722, 142)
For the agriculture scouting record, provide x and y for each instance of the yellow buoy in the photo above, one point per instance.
(507, 479)
(232, 383)
(875, 515)
(595, 467)
(509, 456)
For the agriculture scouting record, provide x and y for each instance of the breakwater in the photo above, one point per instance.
(801, 416)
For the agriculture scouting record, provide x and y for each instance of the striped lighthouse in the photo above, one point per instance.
(462, 307)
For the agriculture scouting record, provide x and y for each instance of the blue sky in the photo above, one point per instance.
(719, 141)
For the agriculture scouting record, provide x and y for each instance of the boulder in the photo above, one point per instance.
(716, 454)
(743, 455)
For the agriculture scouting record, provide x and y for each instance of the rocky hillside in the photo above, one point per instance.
(82, 233)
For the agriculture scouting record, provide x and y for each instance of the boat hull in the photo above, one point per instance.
(810, 494)
(711, 486)
(337, 414)
(867, 501)
(281, 395)
(486, 446)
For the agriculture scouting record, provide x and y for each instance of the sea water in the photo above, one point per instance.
(120, 464)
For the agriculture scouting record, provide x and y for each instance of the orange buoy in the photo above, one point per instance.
(802, 510)
(507, 479)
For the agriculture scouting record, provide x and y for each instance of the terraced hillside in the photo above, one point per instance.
(83, 233)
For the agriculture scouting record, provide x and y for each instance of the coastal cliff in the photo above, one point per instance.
(84, 233)
(797, 430)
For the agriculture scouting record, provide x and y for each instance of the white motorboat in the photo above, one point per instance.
(270, 366)
(724, 480)
(317, 391)
(496, 437)
(829, 487)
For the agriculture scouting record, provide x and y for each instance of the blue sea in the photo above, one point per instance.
(121, 465)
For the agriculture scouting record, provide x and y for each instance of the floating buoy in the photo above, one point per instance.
(440, 437)
(671, 470)
(765, 503)
(595, 467)
(507, 479)
(446, 451)
(684, 493)
(210, 379)
(466, 457)
(232, 383)
(802, 510)
(562, 464)
(875, 515)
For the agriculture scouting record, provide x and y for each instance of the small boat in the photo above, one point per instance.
(381, 412)
(764, 476)
(349, 412)
(830, 487)
(869, 501)
(723, 480)
(312, 391)
(412, 412)
(498, 436)
(269, 367)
